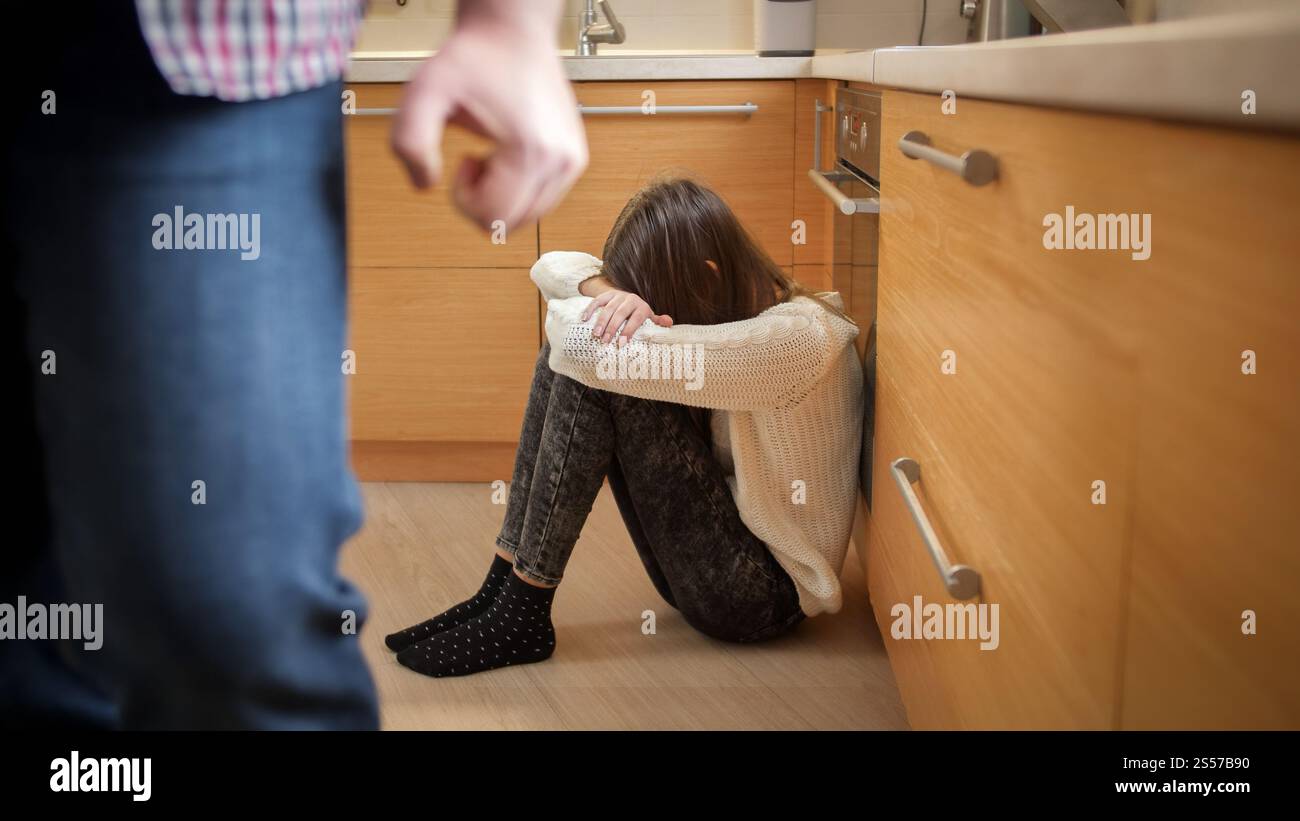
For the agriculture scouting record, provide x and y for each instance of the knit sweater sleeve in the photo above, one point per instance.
(770, 361)
(558, 274)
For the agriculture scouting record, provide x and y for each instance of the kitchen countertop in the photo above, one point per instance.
(1188, 69)
(397, 66)
(1193, 69)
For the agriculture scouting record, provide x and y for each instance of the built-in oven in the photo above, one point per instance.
(853, 186)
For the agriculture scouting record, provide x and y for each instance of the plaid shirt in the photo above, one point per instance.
(249, 49)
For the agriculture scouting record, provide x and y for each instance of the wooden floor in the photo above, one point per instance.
(427, 546)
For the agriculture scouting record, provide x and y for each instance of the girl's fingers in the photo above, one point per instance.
(634, 321)
(619, 308)
(606, 314)
(596, 302)
(616, 319)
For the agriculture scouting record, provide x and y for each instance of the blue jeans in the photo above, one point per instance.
(222, 602)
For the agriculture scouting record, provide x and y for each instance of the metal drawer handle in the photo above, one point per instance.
(975, 166)
(961, 581)
(743, 108)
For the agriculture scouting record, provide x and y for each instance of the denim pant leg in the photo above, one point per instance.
(530, 441)
(564, 453)
(40, 689)
(673, 493)
(222, 601)
(673, 496)
(627, 509)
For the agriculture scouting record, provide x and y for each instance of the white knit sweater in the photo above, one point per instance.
(786, 391)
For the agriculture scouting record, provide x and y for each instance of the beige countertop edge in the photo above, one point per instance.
(1193, 69)
(397, 69)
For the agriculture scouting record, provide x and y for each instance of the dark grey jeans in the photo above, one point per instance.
(670, 490)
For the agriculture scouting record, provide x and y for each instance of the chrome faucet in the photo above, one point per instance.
(590, 32)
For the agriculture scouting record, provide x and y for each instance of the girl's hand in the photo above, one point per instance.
(621, 308)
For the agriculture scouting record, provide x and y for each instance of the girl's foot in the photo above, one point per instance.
(457, 615)
(515, 629)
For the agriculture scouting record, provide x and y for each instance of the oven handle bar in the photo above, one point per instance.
(825, 182)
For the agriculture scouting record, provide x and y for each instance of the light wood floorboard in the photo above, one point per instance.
(427, 546)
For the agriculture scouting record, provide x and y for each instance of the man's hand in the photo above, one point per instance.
(499, 76)
(621, 308)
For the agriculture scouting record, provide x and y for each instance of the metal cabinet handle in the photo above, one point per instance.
(825, 180)
(818, 110)
(975, 166)
(588, 110)
(743, 108)
(961, 581)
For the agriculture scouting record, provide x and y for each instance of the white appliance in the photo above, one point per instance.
(785, 28)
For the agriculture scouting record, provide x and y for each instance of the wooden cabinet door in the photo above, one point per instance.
(392, 225)
(1018, 365)
(444, 320)
(442, 353)
(745, 158)
(1216, 522)
(812, 257)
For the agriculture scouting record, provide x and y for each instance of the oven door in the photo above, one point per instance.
(856, 199)
(853, 274)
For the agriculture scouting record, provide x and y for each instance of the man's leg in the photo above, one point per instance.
(39, 686)
(192, 433)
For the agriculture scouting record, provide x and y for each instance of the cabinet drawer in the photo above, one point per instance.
(1054, 663)
(930, 676)
(390, 224)
(1038, 406)
(745, 158)
(442, 355)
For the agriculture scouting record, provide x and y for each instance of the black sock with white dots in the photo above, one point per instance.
(515, 629)
(457, 615)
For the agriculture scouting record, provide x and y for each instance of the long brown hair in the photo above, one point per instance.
(660, 248)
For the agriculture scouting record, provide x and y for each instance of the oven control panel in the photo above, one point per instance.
(857, 131)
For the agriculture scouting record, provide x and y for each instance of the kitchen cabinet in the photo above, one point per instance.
(1216, 524)
(390, 224)
(443, 319)
(812, 257)
(1086, 439)
(406, 355)
(1017, 365)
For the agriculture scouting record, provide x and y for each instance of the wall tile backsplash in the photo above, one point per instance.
(673, 25)
(728, 25)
